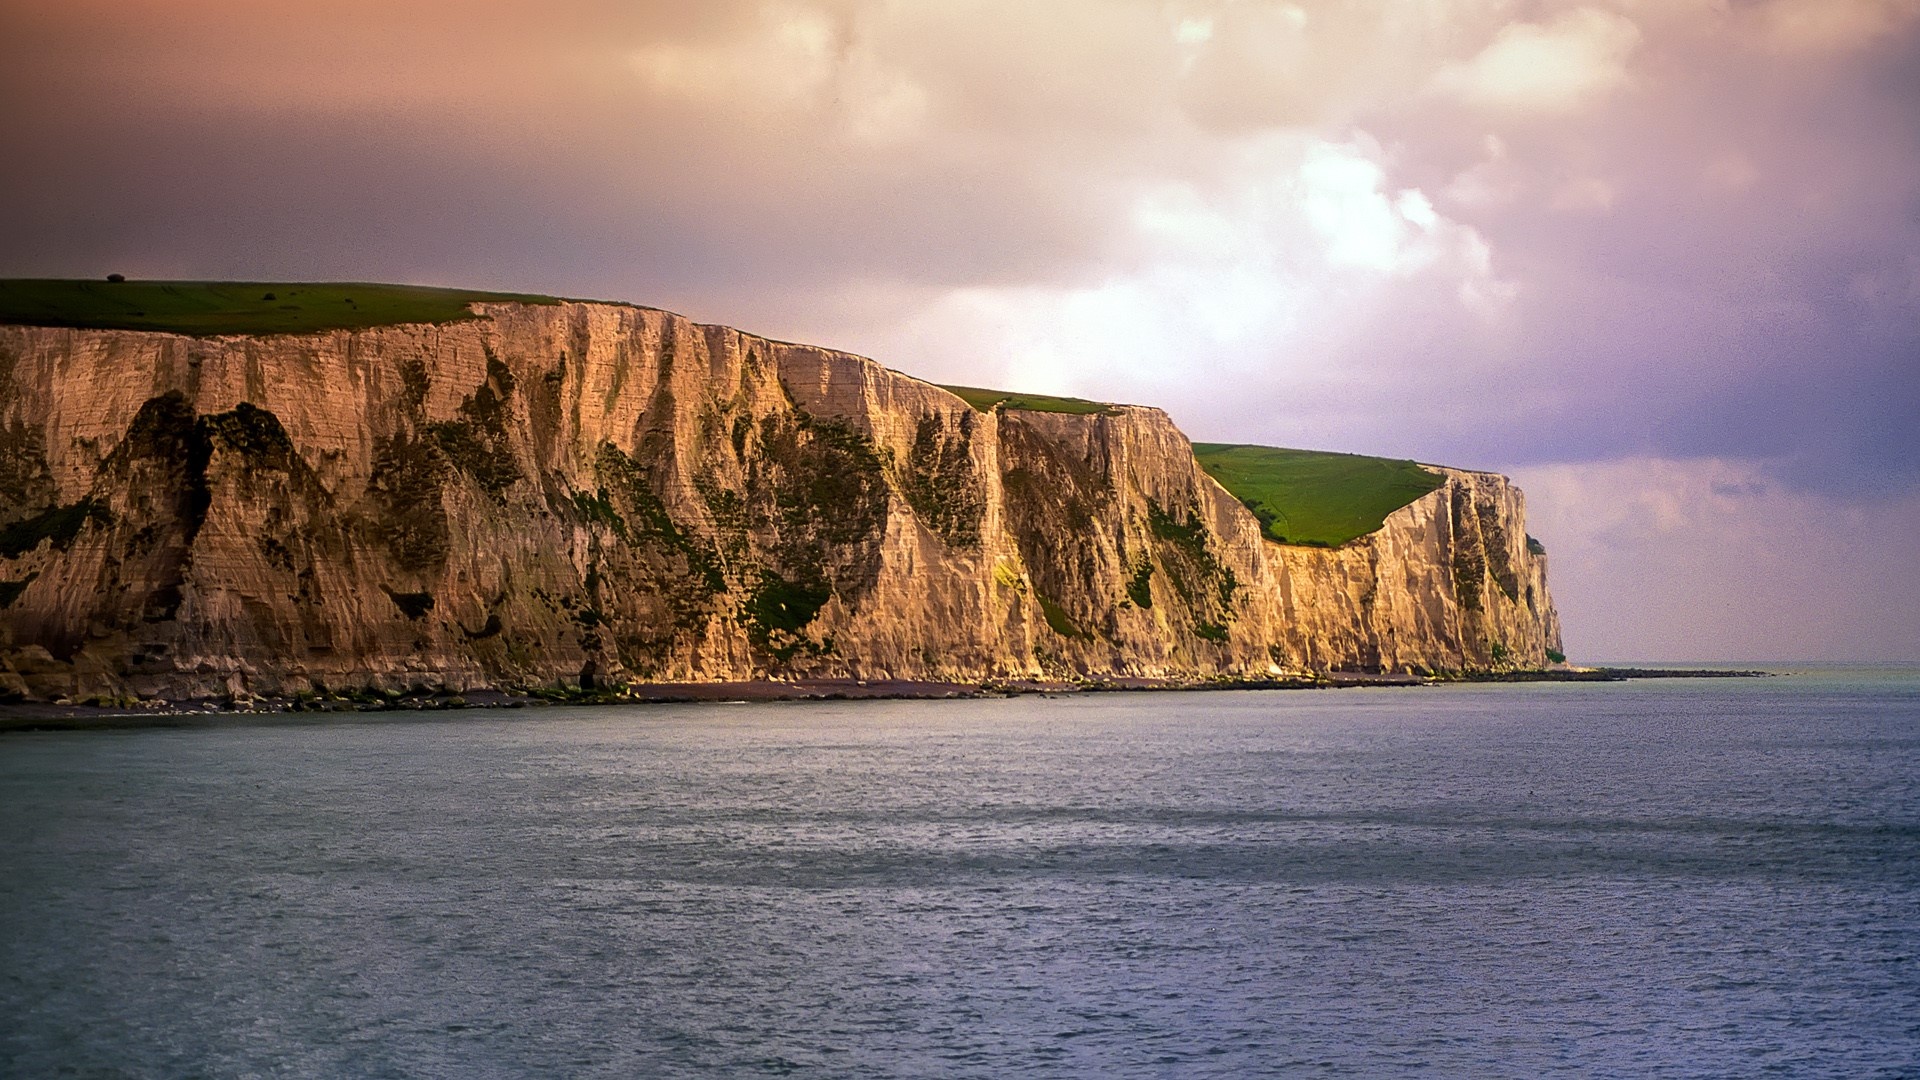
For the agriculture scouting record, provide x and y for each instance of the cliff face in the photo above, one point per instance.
(597, 492)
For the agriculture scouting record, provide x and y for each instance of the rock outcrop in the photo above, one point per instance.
(588, 493)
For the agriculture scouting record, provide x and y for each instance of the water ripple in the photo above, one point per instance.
(1718, 880)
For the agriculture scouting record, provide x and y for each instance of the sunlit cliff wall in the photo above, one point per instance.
(557, 492)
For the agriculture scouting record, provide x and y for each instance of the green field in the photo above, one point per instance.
(234, 307)
(1311, 496)
(985, 400)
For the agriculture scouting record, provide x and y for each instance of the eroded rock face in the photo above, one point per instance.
(590, 492)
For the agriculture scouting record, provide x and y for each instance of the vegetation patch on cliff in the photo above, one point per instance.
(409, 518)
(414, 605)
(167, 433)
(652, 585)
(164, 476)
(1313, 497)
(1055, 504)
(254, 433)
(778, 610)
(1140, 586)
(987, 400)
(477, 444)
(1189, 539)
(817, 497)
(25, 481)
(208, 308)
(829, 482)
(1494, 541)
(1204, 584)
(1469, 553)
(411, 467)
(940, 482)
(60, 524)
(1061, 622)
(1007, 577)
(624, 482)
(11, 590)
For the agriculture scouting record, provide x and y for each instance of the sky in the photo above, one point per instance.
(1659, 260)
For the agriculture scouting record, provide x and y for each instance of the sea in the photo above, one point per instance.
(1656, 878)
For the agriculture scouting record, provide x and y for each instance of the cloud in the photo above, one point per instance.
(1503, 234)
(1317, 62)
(1360, 225)
(1586, 194)
(1711, 560)
(1831, 26)
(1288, 240)
(800, 63)
(1555, 67)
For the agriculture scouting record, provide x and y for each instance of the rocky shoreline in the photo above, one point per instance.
(102, 715)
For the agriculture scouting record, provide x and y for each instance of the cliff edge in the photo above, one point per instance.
(580, 492)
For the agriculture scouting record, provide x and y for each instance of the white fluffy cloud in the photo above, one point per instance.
(1291, 240)
(1567, 63)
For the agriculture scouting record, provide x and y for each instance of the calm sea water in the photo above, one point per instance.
(1649, 879)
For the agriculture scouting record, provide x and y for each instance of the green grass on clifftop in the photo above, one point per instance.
(230, 307)
(1311, 496)
(985, 400)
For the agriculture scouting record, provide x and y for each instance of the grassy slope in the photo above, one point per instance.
(1300, 496)
(985, 400)
(1314, 497)
(228, 307)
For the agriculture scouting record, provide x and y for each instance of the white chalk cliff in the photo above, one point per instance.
(557, 490)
